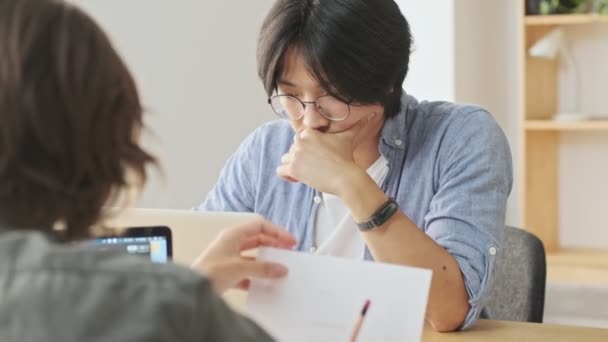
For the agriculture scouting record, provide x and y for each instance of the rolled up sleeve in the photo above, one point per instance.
(467, 213)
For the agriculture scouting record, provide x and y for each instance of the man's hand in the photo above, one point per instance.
(317, 158)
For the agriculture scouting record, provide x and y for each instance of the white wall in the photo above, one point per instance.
(195, 64)
(589, 46)
(432, 64)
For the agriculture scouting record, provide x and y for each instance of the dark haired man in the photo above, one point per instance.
(358, 168)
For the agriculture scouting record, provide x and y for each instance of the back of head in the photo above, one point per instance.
(358, 50)
(70, 118)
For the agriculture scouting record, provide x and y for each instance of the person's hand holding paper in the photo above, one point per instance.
(321, 299)
(224, 263)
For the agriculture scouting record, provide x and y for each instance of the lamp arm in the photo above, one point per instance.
(574, 70)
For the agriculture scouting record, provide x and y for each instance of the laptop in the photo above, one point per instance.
(191, 231)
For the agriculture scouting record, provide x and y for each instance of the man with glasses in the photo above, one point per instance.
(360, 169)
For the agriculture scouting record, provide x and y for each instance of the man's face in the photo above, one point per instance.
(297, 81)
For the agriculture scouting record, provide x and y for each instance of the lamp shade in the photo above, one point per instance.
(549, 46)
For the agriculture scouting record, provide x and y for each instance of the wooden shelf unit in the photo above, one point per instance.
(578, 266)
(549, 125)
(564, 19)
(539, 147)
(591, 258)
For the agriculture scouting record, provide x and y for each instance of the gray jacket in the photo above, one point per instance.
(54, 292)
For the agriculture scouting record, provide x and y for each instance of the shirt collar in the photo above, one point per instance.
(394, 132)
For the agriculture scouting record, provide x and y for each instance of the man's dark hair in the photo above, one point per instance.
(70, 118)
(358, 50)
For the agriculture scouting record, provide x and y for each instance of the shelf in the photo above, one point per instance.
(578, 266)
(564, 19)
(596, 258)
(549, 125)
(541, 191)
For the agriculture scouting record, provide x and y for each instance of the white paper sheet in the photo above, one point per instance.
(321, 299)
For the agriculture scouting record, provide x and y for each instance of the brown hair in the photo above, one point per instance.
(70, 118)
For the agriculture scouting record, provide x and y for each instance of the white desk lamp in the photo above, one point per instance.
(550, 47)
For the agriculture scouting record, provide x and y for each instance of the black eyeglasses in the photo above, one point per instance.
(292, 108)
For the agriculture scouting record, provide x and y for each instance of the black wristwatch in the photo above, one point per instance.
(383, 214)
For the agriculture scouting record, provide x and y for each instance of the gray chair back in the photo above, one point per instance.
(518, 292)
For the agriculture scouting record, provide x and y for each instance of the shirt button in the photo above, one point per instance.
(317, 200)
(492, 251)
(398, 142)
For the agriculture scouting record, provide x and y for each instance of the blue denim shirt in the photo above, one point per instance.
(450, 172)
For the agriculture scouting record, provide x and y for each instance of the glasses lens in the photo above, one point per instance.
(287, 107)
(332, 108)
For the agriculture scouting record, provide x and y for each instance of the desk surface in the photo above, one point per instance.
(490, 331)
(500, 331)
(191, 241)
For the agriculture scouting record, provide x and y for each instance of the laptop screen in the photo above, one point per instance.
(153, 243)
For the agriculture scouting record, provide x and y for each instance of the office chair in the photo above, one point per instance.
(518, 292)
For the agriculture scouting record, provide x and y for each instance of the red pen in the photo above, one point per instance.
(359, 323)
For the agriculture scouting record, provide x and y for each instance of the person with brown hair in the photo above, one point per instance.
(70, 120)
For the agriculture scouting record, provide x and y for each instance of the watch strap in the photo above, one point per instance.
(378, 218)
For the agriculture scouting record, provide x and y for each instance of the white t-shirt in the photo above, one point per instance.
(337, 233)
